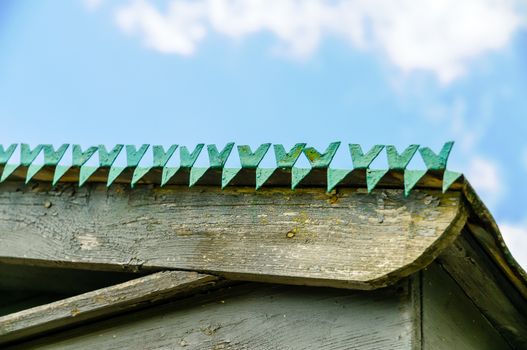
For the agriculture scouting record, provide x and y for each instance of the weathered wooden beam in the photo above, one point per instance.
(256, 317)
(103, 302)
(347, 239)
(488, 288)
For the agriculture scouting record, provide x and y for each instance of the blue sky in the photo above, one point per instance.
(254, 71)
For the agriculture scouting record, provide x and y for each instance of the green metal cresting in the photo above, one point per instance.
(161, 157)
(51, 158)
(319, 160)
(436, 161)
(361, 160)
(250, 160)
(398, 161)
(106, 159)
(218, 159)
(285, 161)
(6, 153)
(188, 159)
(79, 157)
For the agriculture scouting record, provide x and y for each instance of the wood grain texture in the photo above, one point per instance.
(349, 239)
(255, 316)
(488, 288)
(102, 302)
(486, 231)
(450, 319)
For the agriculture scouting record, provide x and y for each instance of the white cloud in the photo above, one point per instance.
(179, 31)
(441, 36)
(485, 175)
(515, 236)
(92, 5)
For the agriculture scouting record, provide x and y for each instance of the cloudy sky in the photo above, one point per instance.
(282, 71)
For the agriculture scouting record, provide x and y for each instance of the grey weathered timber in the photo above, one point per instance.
(25, 286)
(14, 301)
(347, 239)
(450, 320)
(256, 316)
(486, 286)
(486, 231)
(103, 302)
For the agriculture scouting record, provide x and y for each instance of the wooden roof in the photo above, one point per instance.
(358, 228)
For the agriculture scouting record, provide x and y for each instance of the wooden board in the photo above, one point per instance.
(450, 320)
(102, 302)
(488, 288)
(347, 239)
(255, 316)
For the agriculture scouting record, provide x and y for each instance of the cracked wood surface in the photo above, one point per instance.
(103, 302)
(347, 239)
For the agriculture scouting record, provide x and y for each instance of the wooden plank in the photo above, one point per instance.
(450, 319)
(488, 288)
(102, 302)
(485, 229)
(256, 317)
(416, 303)
(347, 239)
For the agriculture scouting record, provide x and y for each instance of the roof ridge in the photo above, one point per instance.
(249, 173)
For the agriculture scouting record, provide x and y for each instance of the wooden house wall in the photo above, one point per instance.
(450, 320)
(255, 316)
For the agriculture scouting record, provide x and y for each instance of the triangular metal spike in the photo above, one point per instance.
(249, 159)
(79, 157)
(115, 171)
(8, 170)
(361, 160)
(6, 153)
(106, 159)
(297, 174)
(373, 177)
(52, 157)
(321, 160)
(411, 178)
(60, 170)
(167, 174)
(227, 175)
(187, 159)
(335, 176)
(161, 157)
(262, 175)
(134, 156)
(449, 177)
(287, 159)
(32, 170)
(195, 175)
(28, 155)
(217, 159)
(398, 161)
(436, 161)
(85, 172)
(139, 172)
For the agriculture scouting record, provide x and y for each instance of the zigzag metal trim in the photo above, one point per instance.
(320, 173)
